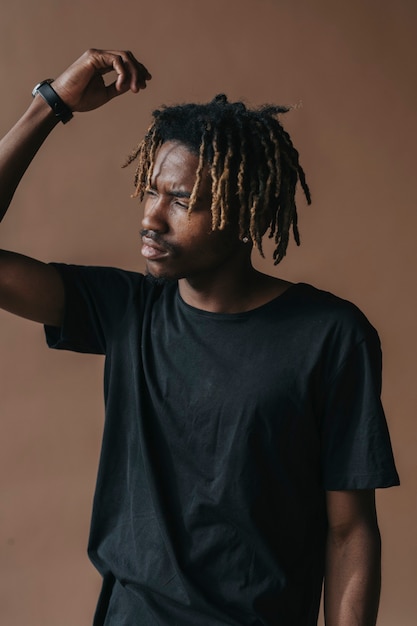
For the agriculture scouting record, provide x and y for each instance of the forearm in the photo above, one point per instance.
(20, 145)
(82, 88)
(353, 577)
(27, 287)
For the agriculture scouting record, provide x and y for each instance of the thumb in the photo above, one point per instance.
(117, 88)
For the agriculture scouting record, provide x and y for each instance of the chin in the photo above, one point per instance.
(160, 278)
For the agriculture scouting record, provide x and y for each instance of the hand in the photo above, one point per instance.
(82, 87)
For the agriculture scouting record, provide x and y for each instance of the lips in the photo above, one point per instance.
(152, 250)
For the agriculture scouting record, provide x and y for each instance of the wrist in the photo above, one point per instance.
(61, 111)
(40, 113)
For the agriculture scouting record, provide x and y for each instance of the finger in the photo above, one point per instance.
(113, 89)
(135, 73)
(130, 73)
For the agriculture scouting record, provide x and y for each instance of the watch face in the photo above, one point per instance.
(36, 87)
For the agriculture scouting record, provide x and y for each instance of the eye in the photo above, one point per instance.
(182, 205)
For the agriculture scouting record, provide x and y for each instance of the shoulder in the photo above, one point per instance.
(111, 289)
(328, 310)
(330, 329)
(98, 274)
(107, 283)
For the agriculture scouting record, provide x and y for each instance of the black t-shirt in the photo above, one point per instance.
(222, 434)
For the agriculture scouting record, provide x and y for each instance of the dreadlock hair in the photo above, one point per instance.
(253, 165)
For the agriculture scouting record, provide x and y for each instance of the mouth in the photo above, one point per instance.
(152, 250)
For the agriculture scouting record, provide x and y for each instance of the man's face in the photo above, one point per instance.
(175, 244)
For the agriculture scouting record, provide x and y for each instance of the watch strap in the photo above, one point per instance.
(60, 109)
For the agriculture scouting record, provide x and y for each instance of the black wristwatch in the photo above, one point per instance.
(61, 110)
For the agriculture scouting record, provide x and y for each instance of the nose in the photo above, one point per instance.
(155, 215)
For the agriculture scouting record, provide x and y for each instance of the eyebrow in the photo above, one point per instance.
(180, 194)
(176, 193)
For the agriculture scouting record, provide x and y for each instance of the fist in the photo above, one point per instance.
(82, 86)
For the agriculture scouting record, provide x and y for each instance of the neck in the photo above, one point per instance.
(232, 291)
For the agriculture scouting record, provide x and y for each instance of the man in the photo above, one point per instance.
(244, 433)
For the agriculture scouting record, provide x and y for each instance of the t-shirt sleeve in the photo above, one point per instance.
(356, 447)
(96, 300)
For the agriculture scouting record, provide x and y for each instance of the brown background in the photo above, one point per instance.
(352, 64)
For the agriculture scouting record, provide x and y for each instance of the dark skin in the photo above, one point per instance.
(28, 287)
(214, 268)
(214, 272)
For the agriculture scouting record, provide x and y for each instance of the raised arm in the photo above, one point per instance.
(27, 287)
(353, 559)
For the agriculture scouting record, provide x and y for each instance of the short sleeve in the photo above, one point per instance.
(96, 300)
(356, 447)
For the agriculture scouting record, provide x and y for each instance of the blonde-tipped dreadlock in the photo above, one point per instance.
(254, 166)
